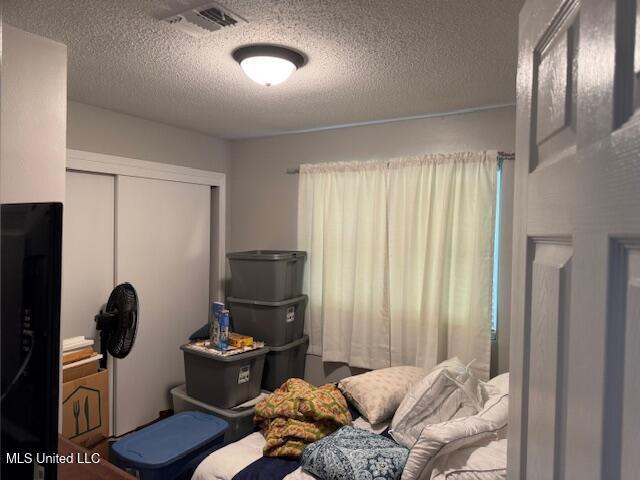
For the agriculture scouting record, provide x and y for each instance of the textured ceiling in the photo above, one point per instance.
(368, 60)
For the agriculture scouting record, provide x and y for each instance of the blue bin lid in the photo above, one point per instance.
(170, 439)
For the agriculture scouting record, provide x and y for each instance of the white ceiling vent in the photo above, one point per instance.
(202, 20)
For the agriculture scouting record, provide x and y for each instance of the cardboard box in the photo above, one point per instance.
(79, 371)
(85, 408)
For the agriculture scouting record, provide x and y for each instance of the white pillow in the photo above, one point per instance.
(495, 386)
(378, 393)
(446, 437)
(448, 391)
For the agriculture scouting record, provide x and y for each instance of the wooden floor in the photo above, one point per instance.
(78, 471)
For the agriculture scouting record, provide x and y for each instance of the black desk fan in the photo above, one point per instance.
(118, 323)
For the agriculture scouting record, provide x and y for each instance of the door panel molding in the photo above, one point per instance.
(548, 318)
(623, 330)
(554, 87)
(627, 67)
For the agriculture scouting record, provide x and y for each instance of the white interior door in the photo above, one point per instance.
(575, 333)
(87, 251)
(162, 248)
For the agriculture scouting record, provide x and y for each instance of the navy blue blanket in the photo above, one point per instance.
(276, 468)
(269, 468)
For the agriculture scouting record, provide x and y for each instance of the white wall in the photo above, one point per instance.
(34, 105)
(264, 197)
(98, 130)
(33, 120)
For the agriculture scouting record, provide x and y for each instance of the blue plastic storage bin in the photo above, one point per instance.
(171, 448)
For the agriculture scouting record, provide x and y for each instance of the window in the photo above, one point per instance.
(496, 255)
(400, 268)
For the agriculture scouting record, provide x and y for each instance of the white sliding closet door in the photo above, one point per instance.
(87, 251)
(162, 248)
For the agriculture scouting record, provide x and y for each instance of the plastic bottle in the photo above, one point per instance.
(223, 321)
(214, 324)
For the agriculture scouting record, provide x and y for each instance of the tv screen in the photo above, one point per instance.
(30, 264)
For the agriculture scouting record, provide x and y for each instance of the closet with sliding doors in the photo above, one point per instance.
(161, 228)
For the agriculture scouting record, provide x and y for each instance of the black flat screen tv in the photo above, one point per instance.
(30, 264)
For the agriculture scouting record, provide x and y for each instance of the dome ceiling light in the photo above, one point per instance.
(268, 65)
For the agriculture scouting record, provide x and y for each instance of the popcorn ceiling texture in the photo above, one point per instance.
(368, 60)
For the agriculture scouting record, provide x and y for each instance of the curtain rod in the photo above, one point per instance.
(501, 156)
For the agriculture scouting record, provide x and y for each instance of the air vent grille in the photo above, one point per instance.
(217, 16)
(203, 20)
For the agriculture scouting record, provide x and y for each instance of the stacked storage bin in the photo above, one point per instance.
(219, 385)
(266, 302)
(240, 420)
(171, 448)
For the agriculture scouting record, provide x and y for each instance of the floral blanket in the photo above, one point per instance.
(298, 414)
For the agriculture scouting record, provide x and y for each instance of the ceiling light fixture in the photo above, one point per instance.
(268, 64)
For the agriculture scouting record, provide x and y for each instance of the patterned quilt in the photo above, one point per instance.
(298, 414)
(355, 454)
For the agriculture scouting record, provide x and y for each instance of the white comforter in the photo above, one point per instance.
(487, 461)
(225, 463)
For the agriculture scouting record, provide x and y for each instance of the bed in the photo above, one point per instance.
(242, 460)
(459, 446)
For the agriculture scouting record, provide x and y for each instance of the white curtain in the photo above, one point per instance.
(400, 259)
(342, 224)
(441, 258)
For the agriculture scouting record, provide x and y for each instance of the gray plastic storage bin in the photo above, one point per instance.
(240, 421)
(283, 363)
(268, 275)
(274, 323)
(223, 382)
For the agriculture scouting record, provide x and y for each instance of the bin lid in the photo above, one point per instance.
(226, 413)
(170, 439)
(207, 353)
(282, 303)
(288, 346)
(267, 255)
